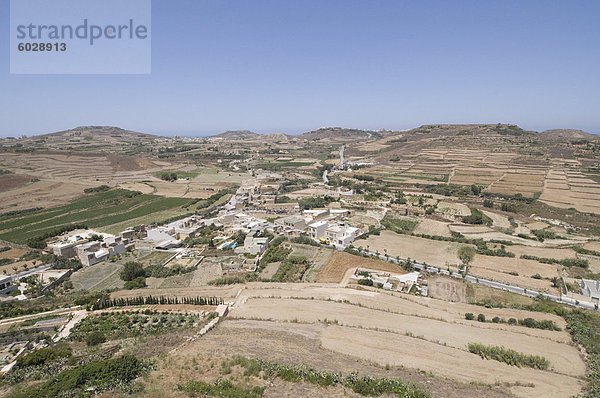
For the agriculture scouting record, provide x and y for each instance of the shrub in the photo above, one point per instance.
(101, 188)
(480, 318)
(137, 283)
(476, 217)
(95, 338)
(221, 388)
(132, 270)
(512, 321)
(168, 176)
(469, 316)
(466, 254)
(496, 319)
(366, 282)
(102, 374)
(509, 356)
(542, 234)
(44, 355)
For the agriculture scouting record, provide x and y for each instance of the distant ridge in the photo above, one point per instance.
(236, 135)
(341, 133)
(83, 131)
(570, 133)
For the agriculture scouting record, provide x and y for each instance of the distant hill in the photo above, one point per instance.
(236, 135)
(570, 133)
(342, 134)
(276, 137)
(85, 131)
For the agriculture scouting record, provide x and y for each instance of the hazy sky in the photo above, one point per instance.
(292, 66)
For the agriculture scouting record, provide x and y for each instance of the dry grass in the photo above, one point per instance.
(341, 262)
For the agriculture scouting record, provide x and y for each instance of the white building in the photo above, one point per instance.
(91, 253)
(340, 235)
(253, 245)
(294, 222)
(317, 229)
(162, 237)
(591, 289)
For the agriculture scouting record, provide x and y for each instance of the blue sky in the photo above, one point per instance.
(293, 66)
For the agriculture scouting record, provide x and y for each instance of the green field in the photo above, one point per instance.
(98, 210)
(180, 174)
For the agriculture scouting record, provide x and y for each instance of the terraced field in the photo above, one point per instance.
(417, 333)
(566, 189)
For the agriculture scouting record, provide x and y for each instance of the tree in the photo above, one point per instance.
(95, 338)
(481, 318)
(136, 283)
(469, 316)
(132, 270)
(466, 254)
(476, 189)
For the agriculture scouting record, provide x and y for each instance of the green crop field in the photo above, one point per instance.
(180, 174)
(98, 210)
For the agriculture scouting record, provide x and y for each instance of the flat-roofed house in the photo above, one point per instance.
(591, 289)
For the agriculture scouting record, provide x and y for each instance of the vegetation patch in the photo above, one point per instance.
(96, 210)
(584, 327)
(363, 385)
(546, 324)
(101, 188)
(275, 252)
(118, 325)
(101, 374)
(399, 225)
(477, 217)
(234, 279)
(509, 356)
(220, 388)
(107, 302)
(567, 262)
(43, 355)
(292, 269)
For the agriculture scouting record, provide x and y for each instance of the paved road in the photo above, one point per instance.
(66, 330)
(28, 272)
(497, 285)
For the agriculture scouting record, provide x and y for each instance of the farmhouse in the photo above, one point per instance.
(253, 245)
(293, 222)
(78, 245)
(317, 230)
(591, 289)
(340, 235)
(6, 285)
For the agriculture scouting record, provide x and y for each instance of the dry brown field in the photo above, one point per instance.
(282, 343)
(475, 176)
(341, 262)
(525, 183)
(432, 227)
(437, 253)
(566, 189)
(498, 220)
(454, 208)
(418, 333)
(447, 289)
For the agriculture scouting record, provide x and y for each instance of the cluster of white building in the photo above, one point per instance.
(391, 281)
(322, 225)
(80, 245)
